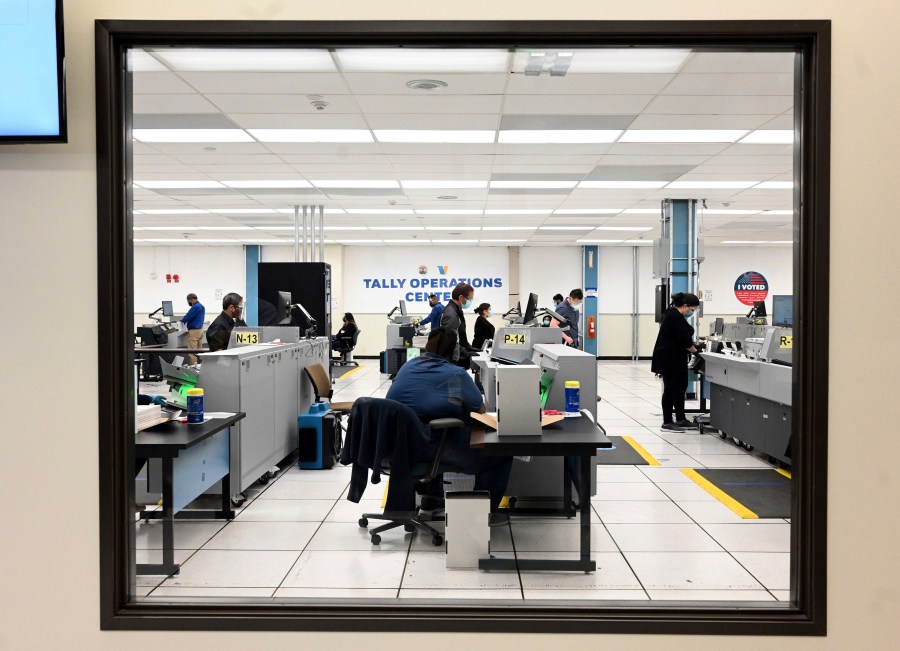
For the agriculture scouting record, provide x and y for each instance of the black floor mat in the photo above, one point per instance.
(621, 454)
(764, 491)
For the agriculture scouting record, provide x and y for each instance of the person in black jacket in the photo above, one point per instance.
(219, 331)
(453, 321)
(670, 357)
(484, 329)
(348, 329)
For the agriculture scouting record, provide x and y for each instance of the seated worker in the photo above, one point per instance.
(434, 317)
(484, 329)
(434, 387)
(219, 331)
(348, 329)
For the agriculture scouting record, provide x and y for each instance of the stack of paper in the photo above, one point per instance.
(147, 416)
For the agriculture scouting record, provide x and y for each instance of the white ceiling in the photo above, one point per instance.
(180, 89)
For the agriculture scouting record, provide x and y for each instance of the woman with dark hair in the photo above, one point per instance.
(339, 342)
(484, 329)
(670, 358)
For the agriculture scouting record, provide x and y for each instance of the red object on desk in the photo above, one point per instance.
(552, 412)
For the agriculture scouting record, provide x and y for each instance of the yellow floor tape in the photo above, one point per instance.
(358, 368)
(649, 458)
(719, 494)
(781, 471)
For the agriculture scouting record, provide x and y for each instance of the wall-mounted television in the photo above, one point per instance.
(32, 72)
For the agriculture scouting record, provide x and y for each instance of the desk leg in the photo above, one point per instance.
(226, 513)
(567, 489)
(585, 503)
(168, 565)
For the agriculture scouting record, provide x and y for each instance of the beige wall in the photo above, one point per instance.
(49, 522)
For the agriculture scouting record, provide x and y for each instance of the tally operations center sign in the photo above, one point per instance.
(751, 286)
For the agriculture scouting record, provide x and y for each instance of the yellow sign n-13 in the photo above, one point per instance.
(246, 338)
(514, 340)
(787, 341)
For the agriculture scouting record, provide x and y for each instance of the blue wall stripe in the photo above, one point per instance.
(251, 302)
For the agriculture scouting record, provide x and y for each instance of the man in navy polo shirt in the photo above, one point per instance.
(434, 387)
(193, 320)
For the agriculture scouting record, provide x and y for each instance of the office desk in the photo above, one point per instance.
(570, 437)
(194, 458)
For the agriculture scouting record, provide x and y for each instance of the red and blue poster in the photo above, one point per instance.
(751, 286)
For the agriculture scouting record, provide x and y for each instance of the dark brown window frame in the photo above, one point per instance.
(806, 612)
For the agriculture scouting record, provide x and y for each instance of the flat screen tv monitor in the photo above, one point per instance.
(283, 308)
(783, 311)
(403, 308)
(167, 308)
(759, 308)
(530, 309)
(32, 72)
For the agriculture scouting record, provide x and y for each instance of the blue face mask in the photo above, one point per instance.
(468, 303)
(489, 313)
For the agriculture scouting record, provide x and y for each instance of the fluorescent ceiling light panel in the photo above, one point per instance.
(638, 242)
(769, 137)
(435, 136)
(454, 241)
(593, 241)
(422, 60)
(622, 185)
(452, 228)
(710, 185)
(351, 183)
(533, 184)
(512, 240)
(508, 228)
(343, 228)
(312, 135)
(524, 211)
(170, 211)
(380, 211)
(587, 211)
(161, 185)
(396, 228)
(358, 241)
(730, 212)
(408, 241)
(565, 228)
(682, 135)
(244, 211)
(777, 212)
(297, 183)
(774, 185)
(166, 228)
(642, 211)
(426, 185)
(179, 240)
(624, 228)
(191, 135)
(449, 212)
(328, 211)
(248, 60)
(140, 61)
(214, 241)
(782, 242)
(225, 228)
(559, 136)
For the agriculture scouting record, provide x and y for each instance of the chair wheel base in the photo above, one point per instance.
(376, 539)
(437, 540)
(363, 522)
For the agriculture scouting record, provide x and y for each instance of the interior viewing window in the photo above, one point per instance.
(268, 192)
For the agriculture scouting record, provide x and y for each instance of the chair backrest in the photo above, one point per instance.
(354, 339)
(320, 381)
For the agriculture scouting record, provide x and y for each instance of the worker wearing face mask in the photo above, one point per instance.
(193, 321)
(434, 317)
(484, 329)
(569, 309)
(452, 320)
(670, 357)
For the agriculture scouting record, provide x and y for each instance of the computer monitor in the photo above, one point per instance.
(283, 308)
(530, 309)
(403, 308)
(720, 326)
(167, 308)
(783, 311)
(759, 308)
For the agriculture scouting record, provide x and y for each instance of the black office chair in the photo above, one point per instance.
(423, 472)
(346, 357)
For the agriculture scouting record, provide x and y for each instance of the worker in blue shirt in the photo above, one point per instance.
(435, 387)
(434, 318)
(193, 320)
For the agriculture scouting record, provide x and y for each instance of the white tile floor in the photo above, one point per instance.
(656, 536)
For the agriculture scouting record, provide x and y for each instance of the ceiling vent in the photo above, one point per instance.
(426, 84)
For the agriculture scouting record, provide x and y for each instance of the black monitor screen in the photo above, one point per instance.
(720, 326)
(783, 311)
(530, 309)
(403, 308)
(283, 308)
(167, 308)
(759, 308)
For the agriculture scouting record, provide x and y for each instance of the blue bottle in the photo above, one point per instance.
(573, 398)
(194, 406)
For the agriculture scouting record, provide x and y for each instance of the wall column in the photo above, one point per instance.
(251, 272)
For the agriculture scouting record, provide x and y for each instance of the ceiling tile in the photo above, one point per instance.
(439, 122)
(150, 83)
(276, 83)
(637, 172)
(589, 84)
(575, 104)
(740, 62)
(298, 121)
(703, 121)
(749, 84)
(287, 103)
(565, 122)
(430, 104)
(182, 121)
(711, 105)
(362, 83)
(172, 103)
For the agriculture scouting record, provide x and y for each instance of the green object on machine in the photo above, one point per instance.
(546, 383)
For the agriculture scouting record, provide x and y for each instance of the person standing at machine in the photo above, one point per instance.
(219, 331)
(568, 309)
(670, 357)
(484, 329)
(454, 321)
(434, 317)
(193, 321)
(557, 299)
